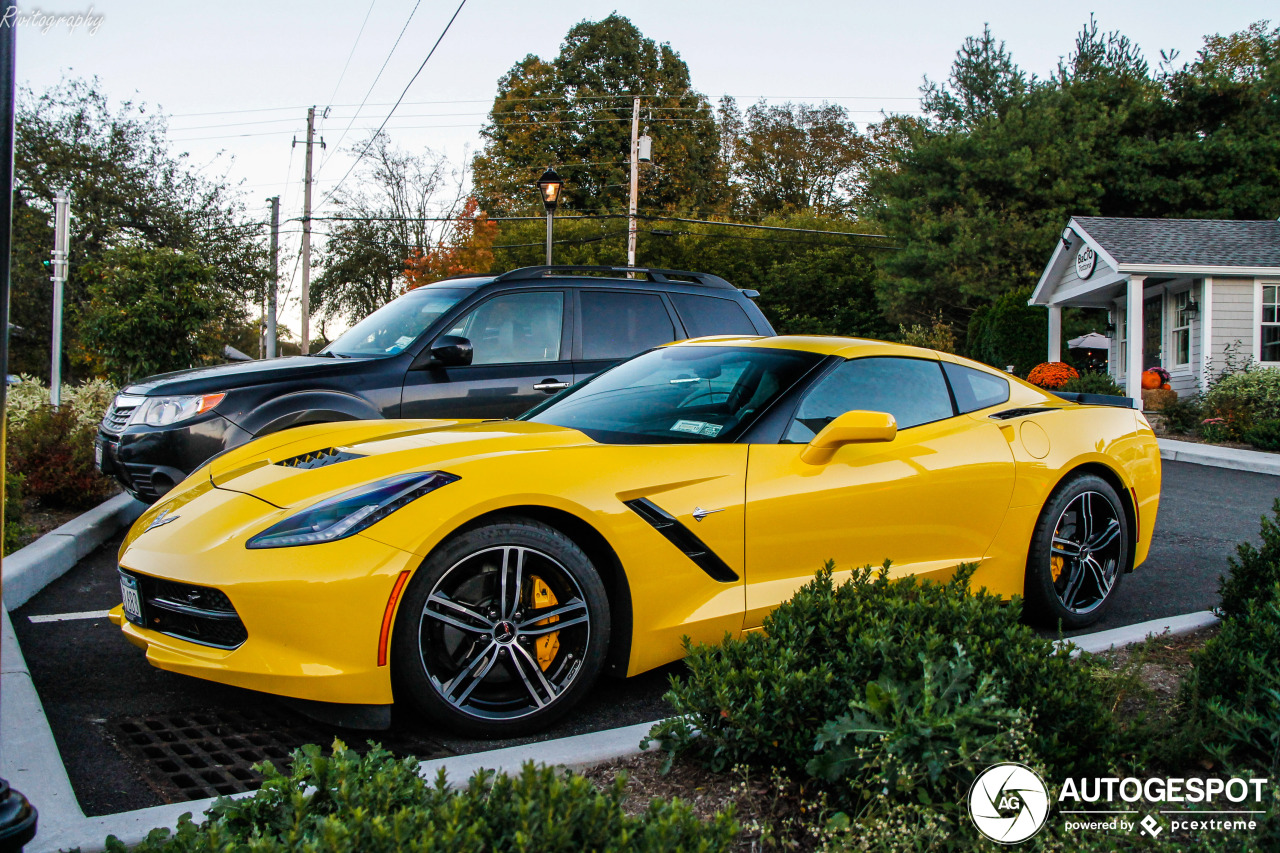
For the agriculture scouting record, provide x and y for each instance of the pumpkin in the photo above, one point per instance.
(1166, 387)
(1150, 379)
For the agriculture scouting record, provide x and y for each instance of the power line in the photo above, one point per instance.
(432, 52)
(355, 44)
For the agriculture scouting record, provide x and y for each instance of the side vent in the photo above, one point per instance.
(319, 458)
(1009, 414)
(683, 538)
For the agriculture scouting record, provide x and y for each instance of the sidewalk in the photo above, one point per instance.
(1219, 457)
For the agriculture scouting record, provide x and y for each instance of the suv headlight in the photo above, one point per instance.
(350, 512)
(162, 411)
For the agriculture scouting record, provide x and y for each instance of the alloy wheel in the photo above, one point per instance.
(1087, 552)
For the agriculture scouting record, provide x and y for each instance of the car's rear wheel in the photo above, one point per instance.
(1079, 553)
(502, 630)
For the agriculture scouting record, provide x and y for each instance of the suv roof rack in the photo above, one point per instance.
(658, 275)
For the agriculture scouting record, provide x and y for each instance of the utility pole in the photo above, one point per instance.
(61, 240)
(275, 276)
(306, 233)
(635, 182)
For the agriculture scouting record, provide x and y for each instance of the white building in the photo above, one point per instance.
(1189, 287)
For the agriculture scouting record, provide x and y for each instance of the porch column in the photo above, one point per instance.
(1134, 335)
(1055, 333)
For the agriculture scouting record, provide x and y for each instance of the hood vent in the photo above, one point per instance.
(319, 458)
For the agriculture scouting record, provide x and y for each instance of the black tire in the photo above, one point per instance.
(476, 660)
(1079, 552)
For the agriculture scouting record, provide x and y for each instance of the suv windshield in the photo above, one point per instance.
(397, 324)
(691, 394)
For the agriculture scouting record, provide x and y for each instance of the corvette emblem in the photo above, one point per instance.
(162, 519)
(699, 513)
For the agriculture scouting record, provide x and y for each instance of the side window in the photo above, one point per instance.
(706, 315)
(975, 389)
(910, 389)
(619, 324)
(515, 328)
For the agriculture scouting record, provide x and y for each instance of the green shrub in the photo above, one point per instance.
(1241, 399)
(1253, 573)
(1093, 383)
(1183, 415)
(763, 699)
(53, 450)
(90, 400)
(1264, 435)
(376, 803)
(1009, 331)
(15, 528)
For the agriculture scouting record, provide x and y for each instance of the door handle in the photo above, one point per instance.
(549, 385)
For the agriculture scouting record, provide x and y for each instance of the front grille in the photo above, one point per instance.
(200, 614)
(119, 413)
(319, 458)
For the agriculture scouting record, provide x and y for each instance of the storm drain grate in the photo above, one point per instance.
(199, 754)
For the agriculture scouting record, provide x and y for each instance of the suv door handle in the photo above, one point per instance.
(549, 385)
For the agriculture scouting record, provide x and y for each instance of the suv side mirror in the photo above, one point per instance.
(446, 351)
(855, 427)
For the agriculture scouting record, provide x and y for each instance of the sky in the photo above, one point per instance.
(236, 77)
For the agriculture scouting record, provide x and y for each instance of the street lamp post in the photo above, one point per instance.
(550, 184)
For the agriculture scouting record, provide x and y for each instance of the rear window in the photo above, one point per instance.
(616, 324)
(706, 315)
(975, 389)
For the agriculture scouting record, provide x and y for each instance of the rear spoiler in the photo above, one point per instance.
(1096, 399)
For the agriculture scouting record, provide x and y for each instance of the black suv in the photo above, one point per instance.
(474, 347)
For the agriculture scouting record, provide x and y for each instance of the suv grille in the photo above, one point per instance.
(200, 614)
(117, 416)
(319, 458)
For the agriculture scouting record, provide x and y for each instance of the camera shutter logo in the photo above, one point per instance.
(1008, 803)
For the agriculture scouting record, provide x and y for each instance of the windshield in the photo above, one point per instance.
(690, 394)
(398, 323)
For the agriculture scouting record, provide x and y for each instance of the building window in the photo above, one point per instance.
(1181, 329)
(1270, 323)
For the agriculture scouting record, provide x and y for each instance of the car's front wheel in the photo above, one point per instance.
(1078, 554)
(502, 630)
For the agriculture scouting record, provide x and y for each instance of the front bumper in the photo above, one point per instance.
(149, 461)
(312, 615)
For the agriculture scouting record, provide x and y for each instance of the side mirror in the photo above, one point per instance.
(446, 351)
(850, 428)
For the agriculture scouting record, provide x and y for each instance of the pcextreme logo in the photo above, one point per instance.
(1008, 803)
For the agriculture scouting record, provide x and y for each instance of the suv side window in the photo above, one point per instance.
(707, 315)
(515, 328)
(619, 324)
(975, 389)
(911, 389)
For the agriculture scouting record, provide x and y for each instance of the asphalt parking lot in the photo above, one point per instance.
(134, 736)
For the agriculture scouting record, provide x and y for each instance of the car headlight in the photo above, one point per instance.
(162, 411)
(350, 512)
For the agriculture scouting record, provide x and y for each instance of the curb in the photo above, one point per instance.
(1253, 461)
(29, 570)
(1130, 634)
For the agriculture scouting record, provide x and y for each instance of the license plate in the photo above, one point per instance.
(132, 601)
(97, 454)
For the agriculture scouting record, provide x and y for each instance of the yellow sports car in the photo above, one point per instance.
(485, 572)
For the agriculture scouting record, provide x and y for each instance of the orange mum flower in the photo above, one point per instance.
(1051, 374)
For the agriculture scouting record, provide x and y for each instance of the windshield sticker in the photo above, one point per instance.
(695, 427)
(401, 342)
(711, 430)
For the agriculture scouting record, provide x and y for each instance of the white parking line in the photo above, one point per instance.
(67, 617)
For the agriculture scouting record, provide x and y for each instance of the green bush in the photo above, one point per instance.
(53, 450)
(1264, 435)
(376, 803)
(15, 527)
(1243, 398)
(90, 400)
(1093, 383)
(1183, 415)
(762, 700)
(1009, 331)
(1252, 573)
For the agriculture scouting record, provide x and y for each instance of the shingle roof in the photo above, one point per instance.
(1187, 242)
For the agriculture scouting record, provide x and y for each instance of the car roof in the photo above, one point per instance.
(817, 344)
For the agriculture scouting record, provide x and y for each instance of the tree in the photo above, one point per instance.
(465, 248)
(380, 224)
(153, 311)
(126, 188)
(574, 112)
(792, 157)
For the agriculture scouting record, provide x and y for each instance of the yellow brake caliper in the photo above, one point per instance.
(548, 644)
(1055, 567)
